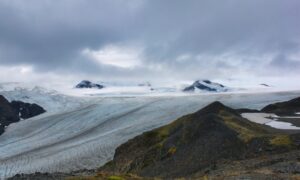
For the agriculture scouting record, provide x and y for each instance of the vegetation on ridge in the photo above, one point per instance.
(196, 142)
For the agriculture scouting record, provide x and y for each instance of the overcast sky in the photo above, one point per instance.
(149, 40)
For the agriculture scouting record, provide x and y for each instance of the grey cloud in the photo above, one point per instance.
(285, 64)
(50, 35)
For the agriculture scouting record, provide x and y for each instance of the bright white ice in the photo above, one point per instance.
(270, 120)
(86, 132)
(260, 118)
(282, 125)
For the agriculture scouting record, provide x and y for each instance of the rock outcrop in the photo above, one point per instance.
(7, 114)
(27, 110)
(16, 110)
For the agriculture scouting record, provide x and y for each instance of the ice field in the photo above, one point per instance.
(85, 133)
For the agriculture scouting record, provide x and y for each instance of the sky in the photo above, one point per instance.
(150, 40)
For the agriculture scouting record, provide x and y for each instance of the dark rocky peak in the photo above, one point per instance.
(266, 85)
(207, 81)
(7, 114)
(205, 85)
(27, 110)
(88, 84)
(215, 108)
(12, 112)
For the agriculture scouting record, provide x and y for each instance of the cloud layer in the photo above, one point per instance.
(151, 39)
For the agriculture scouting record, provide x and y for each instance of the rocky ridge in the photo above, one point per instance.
(11, 112)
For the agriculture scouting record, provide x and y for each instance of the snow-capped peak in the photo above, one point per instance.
(206, 85)
(88, 84)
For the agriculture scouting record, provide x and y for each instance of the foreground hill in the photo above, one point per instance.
(194, 144)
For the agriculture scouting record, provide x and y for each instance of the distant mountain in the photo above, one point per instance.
(51, 100)
(88, 84)
(205, 85)
(266, 85)
(16, 110)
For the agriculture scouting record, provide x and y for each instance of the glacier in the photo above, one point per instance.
(85, 132)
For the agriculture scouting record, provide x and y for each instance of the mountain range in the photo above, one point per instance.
(197, 86)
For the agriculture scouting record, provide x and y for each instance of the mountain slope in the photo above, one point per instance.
(284, 108)
(195, 142)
